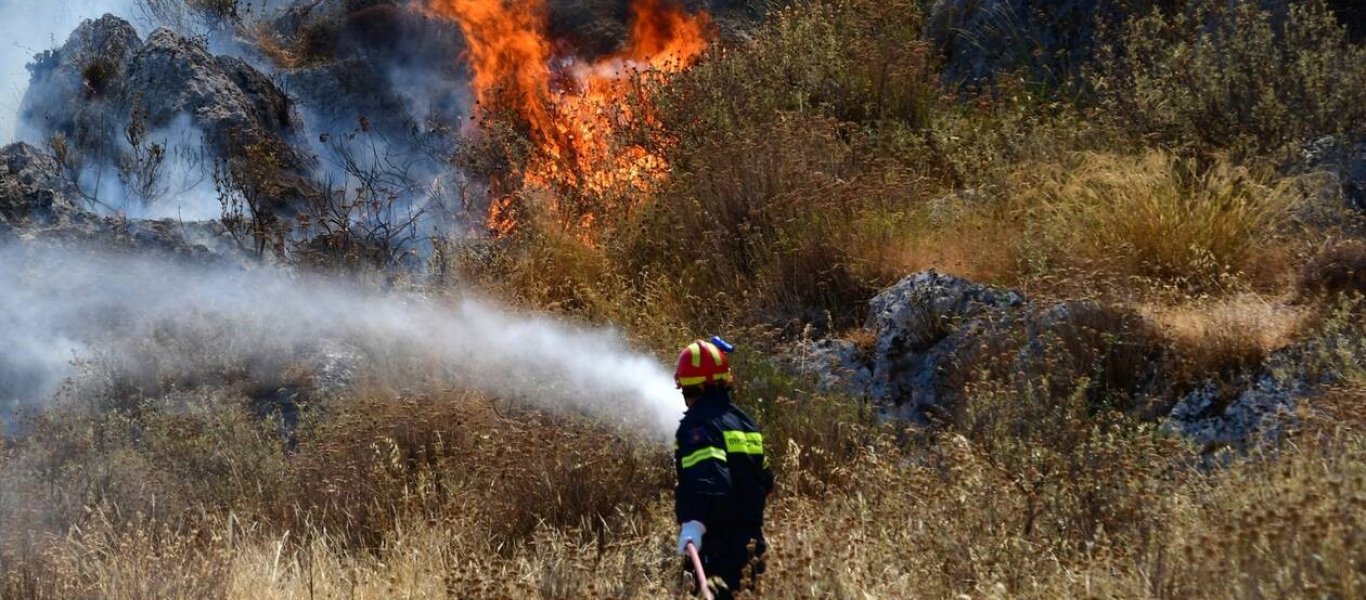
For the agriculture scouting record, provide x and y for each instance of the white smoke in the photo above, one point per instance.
(28, 27)
(60, 305)
(180, 187)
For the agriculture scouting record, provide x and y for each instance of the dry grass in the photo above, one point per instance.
(1153, 216)
(1226, 337)
(1101, 512)
(967, 234)
(1041, 490)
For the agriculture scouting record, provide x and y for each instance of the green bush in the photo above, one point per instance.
(1223, 75)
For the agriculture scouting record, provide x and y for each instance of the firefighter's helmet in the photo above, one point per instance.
(701, 363)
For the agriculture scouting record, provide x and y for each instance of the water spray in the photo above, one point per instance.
(60, 305)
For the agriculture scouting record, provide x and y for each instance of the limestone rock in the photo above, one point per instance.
(32, 192)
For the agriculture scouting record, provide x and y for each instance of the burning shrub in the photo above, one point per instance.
(573, 111)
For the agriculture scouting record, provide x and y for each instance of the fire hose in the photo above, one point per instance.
(697, 570)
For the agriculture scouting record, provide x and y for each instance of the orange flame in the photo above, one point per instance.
(572, 108)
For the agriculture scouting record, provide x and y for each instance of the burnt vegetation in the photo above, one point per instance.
(1150, 185)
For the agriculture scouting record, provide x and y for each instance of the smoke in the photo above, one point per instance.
(33, 26)
(172, 324)
(167, 175)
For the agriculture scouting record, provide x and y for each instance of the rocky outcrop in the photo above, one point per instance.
(233, 103)
(105, 82)
(39, 207)
(920, 325)
(77, 84)
(32, 192)
(373, 61)
(931, 336)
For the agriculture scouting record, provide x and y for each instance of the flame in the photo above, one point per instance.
(573, 108)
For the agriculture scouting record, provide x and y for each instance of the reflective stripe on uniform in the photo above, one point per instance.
(740, 442)
(710, 452)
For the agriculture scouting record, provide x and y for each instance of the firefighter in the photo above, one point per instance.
(723, 474)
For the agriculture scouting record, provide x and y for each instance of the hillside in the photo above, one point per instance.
(379, 298)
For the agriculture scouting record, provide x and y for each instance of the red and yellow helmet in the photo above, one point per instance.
(701, 363)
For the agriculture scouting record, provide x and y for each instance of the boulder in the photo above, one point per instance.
(919, 330)
(1261, 413)
(32, 191)
(38, 206)
(919, 325)
(933, 335)
(837, 365)
(1263, 407)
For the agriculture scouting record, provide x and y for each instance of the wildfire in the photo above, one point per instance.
(572, 107)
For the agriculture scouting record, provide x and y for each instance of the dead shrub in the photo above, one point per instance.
(765, 225)
(376, 461)
(1109, 357)
(1077, 472)
(1339, 268)
(566, 477)
(1153, 216)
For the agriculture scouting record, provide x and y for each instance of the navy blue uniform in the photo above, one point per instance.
(723, 481)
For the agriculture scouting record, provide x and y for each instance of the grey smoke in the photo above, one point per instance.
(60, 308)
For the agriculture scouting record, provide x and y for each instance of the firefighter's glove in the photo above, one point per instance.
(692, 531)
